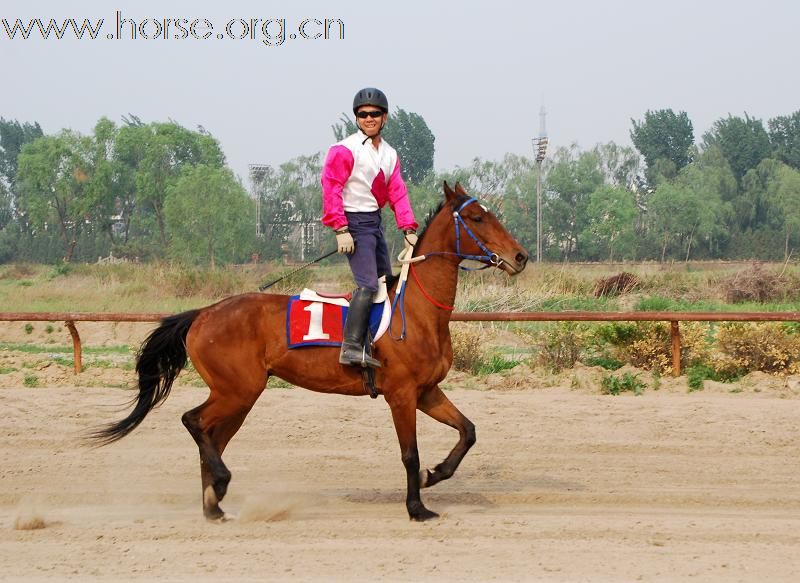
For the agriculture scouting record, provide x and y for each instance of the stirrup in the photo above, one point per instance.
(365, 360)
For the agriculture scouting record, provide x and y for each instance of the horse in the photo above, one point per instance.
(238, 343)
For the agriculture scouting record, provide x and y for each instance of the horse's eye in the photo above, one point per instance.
(477, 218)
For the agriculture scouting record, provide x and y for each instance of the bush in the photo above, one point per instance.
(616, 285)
(467, 356)
(744, 347)
(701, 371)
(648, 345)
(562, 345)
(754, 285)
(495, 363)
(614, 385)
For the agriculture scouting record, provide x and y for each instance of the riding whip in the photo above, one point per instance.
(270, 284)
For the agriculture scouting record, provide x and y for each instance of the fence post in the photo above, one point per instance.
(76, 346)
(675, 333)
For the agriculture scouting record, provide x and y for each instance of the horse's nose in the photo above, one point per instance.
(522, 258)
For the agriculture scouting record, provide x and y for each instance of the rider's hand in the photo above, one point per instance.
(344, 242)
(410, 239)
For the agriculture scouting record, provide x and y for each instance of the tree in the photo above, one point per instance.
(611, 216)
(571, 178)
(407, 133)
(786, 194)
(773, 191)
(743, 142)
(13, 136)
(6, 208)
(784, 135)
(619, 164)
(53, 175)
(682, 215)
(291, 207)
(161, 151)
(209, 216)
(663, 135)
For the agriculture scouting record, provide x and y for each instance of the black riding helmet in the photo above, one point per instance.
(371, 96)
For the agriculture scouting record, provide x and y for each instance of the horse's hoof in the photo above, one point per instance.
(422, 514)
(221, 517)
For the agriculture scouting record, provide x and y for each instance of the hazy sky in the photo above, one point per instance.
(478, 72)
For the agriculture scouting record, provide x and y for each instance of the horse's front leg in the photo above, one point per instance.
(435, 404)
(404, 413)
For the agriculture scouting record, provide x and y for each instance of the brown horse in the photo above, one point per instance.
(239, 342)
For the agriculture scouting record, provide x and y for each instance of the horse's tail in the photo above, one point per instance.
(160, 359)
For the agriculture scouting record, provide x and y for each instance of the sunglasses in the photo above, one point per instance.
(366, 114)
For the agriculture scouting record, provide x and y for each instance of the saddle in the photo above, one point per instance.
(317, 319)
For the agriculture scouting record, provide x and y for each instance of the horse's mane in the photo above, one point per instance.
(433, 212)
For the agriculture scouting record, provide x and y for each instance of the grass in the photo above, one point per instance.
(31, 380)
(38, 349)
(169, 288)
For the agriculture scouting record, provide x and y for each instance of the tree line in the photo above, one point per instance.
(158, 190)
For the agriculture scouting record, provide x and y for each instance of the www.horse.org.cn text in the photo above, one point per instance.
(268, 31)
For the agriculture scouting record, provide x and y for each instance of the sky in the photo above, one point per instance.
(478, 72)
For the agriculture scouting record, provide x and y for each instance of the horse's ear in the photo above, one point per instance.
(448, 192)
(460, 190)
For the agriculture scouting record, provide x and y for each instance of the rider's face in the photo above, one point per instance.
(370, 125)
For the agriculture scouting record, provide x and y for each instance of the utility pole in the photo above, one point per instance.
(539, 150)
(257, 174)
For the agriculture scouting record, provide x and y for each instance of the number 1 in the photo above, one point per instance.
(315, 324)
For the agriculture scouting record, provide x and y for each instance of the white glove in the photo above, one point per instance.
(345, 243)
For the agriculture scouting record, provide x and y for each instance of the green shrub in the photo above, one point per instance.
(628, 382)
(28, 328)
(606, 362)
(30, 380)
(60, 270)
(495, 363)
(699, 372)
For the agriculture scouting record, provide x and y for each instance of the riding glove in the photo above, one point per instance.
(344, 242)
(410, 240)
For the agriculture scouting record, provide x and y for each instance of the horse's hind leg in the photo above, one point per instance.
(212, 425)
(435, 404)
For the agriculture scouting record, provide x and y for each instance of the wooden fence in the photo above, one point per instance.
(674, 318)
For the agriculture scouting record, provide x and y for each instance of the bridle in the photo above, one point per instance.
(489, 259)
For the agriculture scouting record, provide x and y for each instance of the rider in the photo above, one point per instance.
(361, 174)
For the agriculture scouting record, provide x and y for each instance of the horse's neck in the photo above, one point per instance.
(438, 279)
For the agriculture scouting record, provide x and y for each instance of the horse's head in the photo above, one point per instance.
(479, 235)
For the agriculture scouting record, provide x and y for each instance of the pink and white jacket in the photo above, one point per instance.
(357, 177)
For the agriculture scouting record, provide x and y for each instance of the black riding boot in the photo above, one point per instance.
(355, 329)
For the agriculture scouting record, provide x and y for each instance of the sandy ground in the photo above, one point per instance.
(563, 485)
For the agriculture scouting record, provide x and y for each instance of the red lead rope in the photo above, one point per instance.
(422, 289)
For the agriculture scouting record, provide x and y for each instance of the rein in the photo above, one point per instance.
(489, 259)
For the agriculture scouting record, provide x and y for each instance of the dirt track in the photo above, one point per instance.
(561, 486)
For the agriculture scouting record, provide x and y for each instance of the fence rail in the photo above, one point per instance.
(674, 318)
